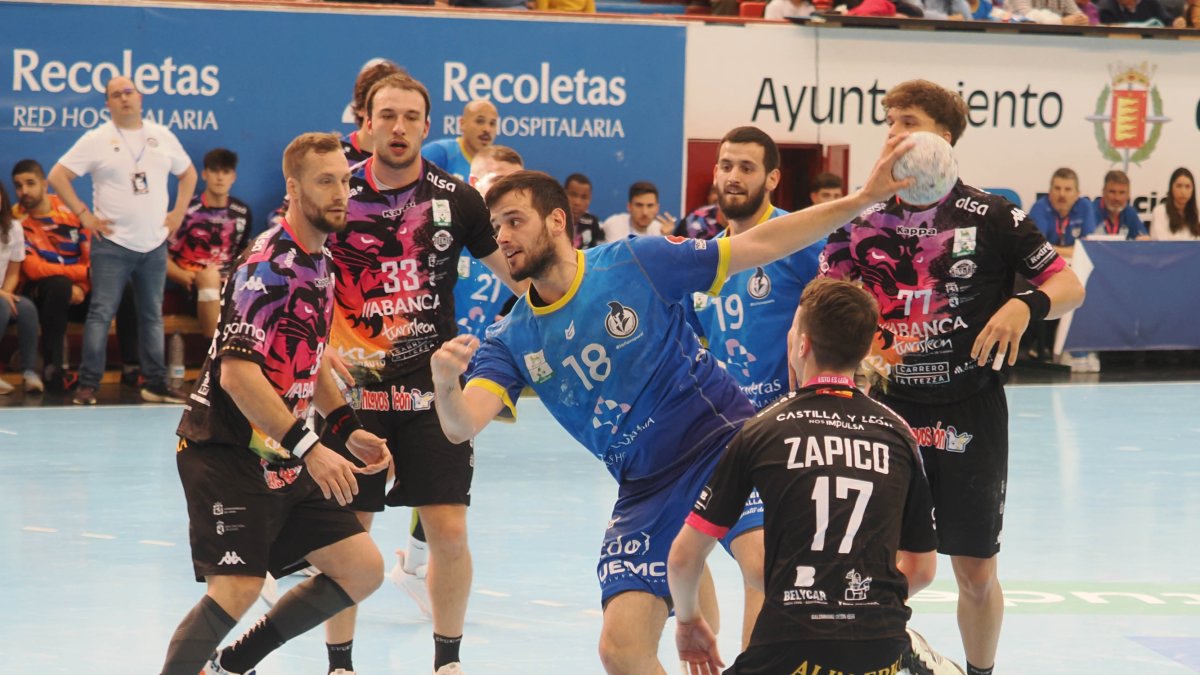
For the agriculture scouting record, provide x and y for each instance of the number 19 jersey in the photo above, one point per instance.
(615, 361)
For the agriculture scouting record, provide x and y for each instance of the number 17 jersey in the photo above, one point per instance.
(615, 361)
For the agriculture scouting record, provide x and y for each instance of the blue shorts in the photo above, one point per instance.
(644, 523)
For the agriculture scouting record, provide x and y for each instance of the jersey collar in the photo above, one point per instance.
(581, 261)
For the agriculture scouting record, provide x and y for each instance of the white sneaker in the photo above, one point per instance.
(33, 383)
(270, 591)
(213, 667)
(5, 388)
(414, 585)
(1093, 362)
(342, 671)
(452, 668)
(923, 660)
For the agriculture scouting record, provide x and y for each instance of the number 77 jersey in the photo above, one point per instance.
(616, 363)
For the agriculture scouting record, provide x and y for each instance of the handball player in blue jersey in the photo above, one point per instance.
(743, 322)
(601, 337)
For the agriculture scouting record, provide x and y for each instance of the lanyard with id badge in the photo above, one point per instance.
(138, 180)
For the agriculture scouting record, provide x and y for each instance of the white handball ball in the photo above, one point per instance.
(931, 162)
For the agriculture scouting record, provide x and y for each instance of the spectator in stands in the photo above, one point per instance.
(985, 10)
(1116, 12)
(826, 187)
(493, 4)
(1175, 218)
(580, 6)
(13, 307)
(55, 270)
(1048, 11)
(587, 230)
(1062, 215)
(780, 10)
(1091, 10)
(1191, 14)
(131, 225)
(705, 222)
(642, 219)
(214, 232)
(478, 125)
(1114, 214)
(954, 10)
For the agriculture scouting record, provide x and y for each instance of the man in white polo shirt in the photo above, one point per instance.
(129, 160)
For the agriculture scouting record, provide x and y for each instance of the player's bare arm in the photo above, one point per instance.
(779, 236)
(462, 414)
(254, 396)
(1004, 330)
(918, 568)
(366, 446)
(694, 638)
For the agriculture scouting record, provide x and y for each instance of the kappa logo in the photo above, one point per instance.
(253, 284)
(231, 558)
(621, 321)
(759, 285)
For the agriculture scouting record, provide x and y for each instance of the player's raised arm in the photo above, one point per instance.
(780, 236)
(461, 414)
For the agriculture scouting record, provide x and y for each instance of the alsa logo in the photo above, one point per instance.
(441, 183)
(971, 206)
(578, 88)
(85, 77)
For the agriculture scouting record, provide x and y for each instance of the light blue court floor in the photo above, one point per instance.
(1101, 557)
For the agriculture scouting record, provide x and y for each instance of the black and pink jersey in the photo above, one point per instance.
(352, 150)
(843, 490)
(397, 263)
(275, 311)
(211, 236)
(939, 274)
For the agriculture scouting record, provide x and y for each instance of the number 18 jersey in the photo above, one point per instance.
(615, 361)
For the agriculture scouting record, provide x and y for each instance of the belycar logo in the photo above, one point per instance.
(1136, 105)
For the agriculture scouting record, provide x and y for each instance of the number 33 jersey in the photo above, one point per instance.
(615, 361)
(396, 265)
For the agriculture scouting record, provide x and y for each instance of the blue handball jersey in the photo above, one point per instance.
(448, 155)
(746, 324)
(479, 296)
(615, 361)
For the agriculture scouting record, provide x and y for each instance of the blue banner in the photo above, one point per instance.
(1140, 295)
(602, 99)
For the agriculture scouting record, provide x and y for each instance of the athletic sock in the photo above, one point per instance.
(339, 656)
(972, 670)
(445, 650)
(417, 553)
(303, 608)
(197, 637)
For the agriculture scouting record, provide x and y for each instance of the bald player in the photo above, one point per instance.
(479, 125)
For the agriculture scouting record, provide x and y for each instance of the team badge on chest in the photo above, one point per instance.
(621, 321)
(759, 284)
(964, 242)
(442, 240)
(441, 212)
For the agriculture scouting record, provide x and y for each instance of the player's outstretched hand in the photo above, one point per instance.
(1002, 333)
(450, 361)
(880, 184)
(698, 648)
(371, 449)
(333, 473)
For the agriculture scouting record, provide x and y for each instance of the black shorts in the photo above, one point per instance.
(429, 468)
(861, 657)
(965, 448)
(247, 517)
